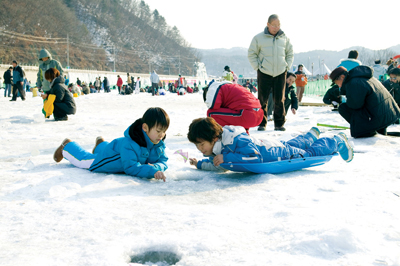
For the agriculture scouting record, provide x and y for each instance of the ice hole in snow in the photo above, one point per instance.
(159, 258)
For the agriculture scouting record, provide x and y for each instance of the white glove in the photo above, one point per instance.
(334, 103)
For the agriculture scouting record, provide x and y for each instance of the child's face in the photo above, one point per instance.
(205, 147)
(155, 134)
(290, 80)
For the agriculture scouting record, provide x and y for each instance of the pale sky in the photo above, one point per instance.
(310, 24)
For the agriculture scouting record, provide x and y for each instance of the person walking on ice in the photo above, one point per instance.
(232, 144)
(141, 152)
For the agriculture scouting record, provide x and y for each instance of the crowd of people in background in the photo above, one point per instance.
(274, 84)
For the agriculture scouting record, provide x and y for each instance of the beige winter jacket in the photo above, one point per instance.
(271, 55)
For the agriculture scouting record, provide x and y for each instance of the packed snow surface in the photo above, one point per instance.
(56, 214)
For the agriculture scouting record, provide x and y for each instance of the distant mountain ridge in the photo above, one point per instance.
(101, 34)
(236, 58)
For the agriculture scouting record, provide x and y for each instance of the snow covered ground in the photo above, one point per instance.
(55, 214)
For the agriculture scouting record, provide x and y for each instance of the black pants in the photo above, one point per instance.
(276, 85)
(18, 88)
(346, 112)
(154, 86)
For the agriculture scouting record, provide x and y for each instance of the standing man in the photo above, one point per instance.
(46, 62)
(271, 55)
(18, 80)
(154, 79)
(7, 81)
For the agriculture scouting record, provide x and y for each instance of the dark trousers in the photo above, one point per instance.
(154, 86)
(276, 85)
(18, 88)
(119, 89)
(346, 112)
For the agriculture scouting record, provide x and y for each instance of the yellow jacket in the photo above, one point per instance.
(48, 105)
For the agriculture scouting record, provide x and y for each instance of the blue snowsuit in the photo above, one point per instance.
(130, 154)
(238, 147)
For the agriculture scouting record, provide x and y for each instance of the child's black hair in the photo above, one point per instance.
(204, 129)
(156, 116)
(290, 74)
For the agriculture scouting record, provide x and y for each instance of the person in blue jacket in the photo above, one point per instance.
(350, 62)
(232, 144)
(141, 152)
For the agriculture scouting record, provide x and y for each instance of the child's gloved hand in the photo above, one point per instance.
(193, 161)
(159, 175)
(218, 159)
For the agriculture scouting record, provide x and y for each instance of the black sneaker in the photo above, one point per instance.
(280, 129)
(261, 128)
(64, 118)
(13, 100)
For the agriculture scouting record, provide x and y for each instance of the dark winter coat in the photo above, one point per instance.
(106, 83)
(64, 103)
(394, 90)
(7, 77)
(333, 94)
(370, 105)
(291, 100)
(18, 74)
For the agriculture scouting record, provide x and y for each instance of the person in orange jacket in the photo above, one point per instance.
(301, 82)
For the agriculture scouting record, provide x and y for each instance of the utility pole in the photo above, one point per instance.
(67, 51)
(179, 66)
(115, 57)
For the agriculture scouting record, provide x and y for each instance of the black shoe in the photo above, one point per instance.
(382, 131)
(397, 121)
(13, 100)
(261, 128)
(64, 118)
(280, 129)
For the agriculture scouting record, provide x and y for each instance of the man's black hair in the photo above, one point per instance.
(353, 54)
(156, 116)
(395, 71)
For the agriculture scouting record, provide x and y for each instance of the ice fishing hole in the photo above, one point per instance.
(160, 258)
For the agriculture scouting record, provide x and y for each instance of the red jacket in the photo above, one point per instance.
(119, 82)
(231, 96)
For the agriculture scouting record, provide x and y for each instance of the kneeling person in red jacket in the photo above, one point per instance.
(232, 104)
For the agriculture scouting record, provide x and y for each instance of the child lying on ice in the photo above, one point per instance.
(141, 152)
(231, 144)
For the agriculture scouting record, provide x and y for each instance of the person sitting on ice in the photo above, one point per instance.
(232, 144)
(141, 152)
(188, 89)
(232, 104)
(162, 91)
(350, 62)
(369, 107)
(59, 100)
(181, 91)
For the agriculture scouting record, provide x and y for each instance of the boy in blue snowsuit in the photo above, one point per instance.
(232, 144)
(141, 152)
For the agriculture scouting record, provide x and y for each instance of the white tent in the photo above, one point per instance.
(305, 70)
(324, 70)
